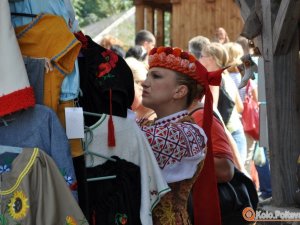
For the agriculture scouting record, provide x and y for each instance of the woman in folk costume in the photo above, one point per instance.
(174, 79)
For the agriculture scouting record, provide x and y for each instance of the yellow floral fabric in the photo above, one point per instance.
(34, 192)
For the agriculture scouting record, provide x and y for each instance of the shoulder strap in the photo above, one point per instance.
(202, 108)
(196, 109)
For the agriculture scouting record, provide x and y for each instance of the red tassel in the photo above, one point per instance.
(111, 129)
(111, 132)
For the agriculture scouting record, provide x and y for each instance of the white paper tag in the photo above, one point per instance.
(74, 122)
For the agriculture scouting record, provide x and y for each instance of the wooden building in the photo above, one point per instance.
(188, 18)
(274, 27)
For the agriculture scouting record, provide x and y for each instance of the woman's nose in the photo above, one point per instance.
(145, 83)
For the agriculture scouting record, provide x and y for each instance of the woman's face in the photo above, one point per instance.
(221, 35)
(139, 78)
(159, 88)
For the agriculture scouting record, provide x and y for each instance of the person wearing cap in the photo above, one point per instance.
(182, 148)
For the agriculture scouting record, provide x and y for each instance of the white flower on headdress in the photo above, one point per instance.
(170, 59)
(162, 56)
(184, 63)
(192, 67)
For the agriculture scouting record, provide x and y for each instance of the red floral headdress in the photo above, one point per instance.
(174, 59)
(205, 196)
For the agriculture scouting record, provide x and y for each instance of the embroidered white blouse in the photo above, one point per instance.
(177, 146)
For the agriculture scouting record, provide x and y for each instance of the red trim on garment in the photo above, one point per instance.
(82, 38)
(16, 101)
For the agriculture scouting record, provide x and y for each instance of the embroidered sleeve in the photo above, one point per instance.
(171, 142)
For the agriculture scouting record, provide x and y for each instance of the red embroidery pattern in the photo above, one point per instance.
(171, 142)
(111, 59)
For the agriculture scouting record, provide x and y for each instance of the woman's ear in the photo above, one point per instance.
(180, 92)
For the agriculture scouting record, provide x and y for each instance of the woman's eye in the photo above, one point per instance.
(154, 75)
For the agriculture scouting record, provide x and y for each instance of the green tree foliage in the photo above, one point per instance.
(90, 11)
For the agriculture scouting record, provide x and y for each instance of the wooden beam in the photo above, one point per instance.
(157, 1)
(245, 6)
(272, 105)
(285, 25)
(165, 5)
(283, 103)
(160, 34)
(139, 18)
(150, 19)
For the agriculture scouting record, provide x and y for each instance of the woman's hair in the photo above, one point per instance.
(137, 67)
(108, 40)
(218, 52)
(196, 44)
(235, 53)
(195, 90)
(142, 36)
(136, 52)
(244, 42)
(118, 50)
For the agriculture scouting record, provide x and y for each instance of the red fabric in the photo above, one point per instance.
(205, 194)
(220, 144)
(16, 101)
(82, 38)
(250, 116)
(111, 128)
(205, 191)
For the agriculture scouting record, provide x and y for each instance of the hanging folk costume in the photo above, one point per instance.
(108, 89)
(37, 126)
(34, 191)
(179, 146)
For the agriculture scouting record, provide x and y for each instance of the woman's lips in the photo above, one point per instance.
(145, 93)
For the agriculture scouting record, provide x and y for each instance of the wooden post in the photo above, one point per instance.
(283, 103)
(160, 34)
(139, 17)
(287, 20)
(150, 19)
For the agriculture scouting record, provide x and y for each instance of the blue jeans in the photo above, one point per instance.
(240, 139)
(264, 177)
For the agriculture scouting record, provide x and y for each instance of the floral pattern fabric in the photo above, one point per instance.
(172, 208)
(35, 192)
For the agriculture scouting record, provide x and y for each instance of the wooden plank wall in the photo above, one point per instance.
(202, 17)
(283, 103)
